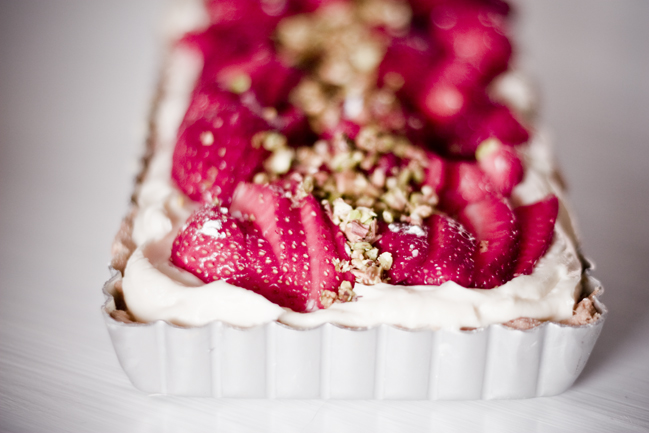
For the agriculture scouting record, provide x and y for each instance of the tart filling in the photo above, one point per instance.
(356, 171)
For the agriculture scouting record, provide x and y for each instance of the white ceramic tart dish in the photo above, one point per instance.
(528, 335)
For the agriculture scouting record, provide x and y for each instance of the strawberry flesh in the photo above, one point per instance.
(501, 164)
(408, 245)
(435, 172)
(450, 255)
(273, 213)
(212, 246)
(323, 249)
(471, 32)
(536, 222)
(214, 151)
(494, 226)
(464, 183)
(301, 239)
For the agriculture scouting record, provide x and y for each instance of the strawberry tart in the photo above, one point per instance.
(350, 164)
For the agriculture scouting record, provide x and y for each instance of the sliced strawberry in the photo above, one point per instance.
(494, 226)
(464, 183)
(404, 61)
(240, 57)
(501, 163)
(424, 7)
(435, 172)
(214, 150)
(323, 248)
(273, 212)
(280, 223)
(472, 32)
(450, 255)
(264, 276)
(449, 90)
(499, 122)
(293, 123)
(408, 245)
(536, 222)
(212, 246)
(249, 12)
(228, 42)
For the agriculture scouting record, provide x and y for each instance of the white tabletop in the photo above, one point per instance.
(76, 78)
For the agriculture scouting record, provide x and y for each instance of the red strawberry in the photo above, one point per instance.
(449, 90)
(501, 164)
(481, 120)
(293, 123)
(404, 61)
(499, 122)
(424, 7)
(302, 242)
(494, 225)
(408, 245)
(273, 213)
(214, 151)
(266, 77)
(264, 275)
(228, 42)
(249, 12)
(435, 172)
(212, 246)
(536, 222)
(472, 33)
(239, 57)
(322, 239)
(450, 254)
(464, 183)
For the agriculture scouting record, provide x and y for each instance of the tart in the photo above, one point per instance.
(327, 174)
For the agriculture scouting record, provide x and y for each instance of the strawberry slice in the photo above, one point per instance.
(214, 151)
(480, 121)
(322, 240)
(493, 223)
(464, 183)
(472, 32)
(450, 255)
(404, 62)
(212, 246)
(501, 164)
(240, 58)
(408, 245)
(536, 222)
(273, 213)
(450, 88)
(435, 172)
(425, 7)
(499, 122)
(264, 276)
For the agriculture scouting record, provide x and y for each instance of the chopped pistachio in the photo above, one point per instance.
(327, 297)
(274, 141)
(345, 292)
(280, 160)
(240, 83)
(385, 259)
(361, 246)
(260, 178)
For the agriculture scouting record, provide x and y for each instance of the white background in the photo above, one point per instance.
(76, 78)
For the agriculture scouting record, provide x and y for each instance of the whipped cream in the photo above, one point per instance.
(156, 290)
